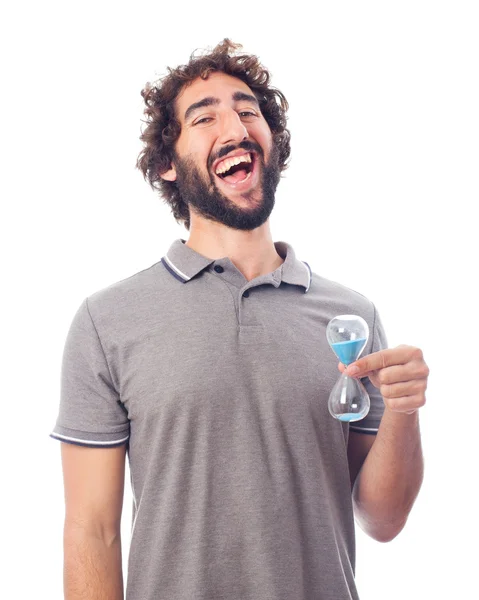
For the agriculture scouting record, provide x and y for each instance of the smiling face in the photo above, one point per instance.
(225, 163)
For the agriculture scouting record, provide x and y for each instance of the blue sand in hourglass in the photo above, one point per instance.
(347, 417)
(347, 352)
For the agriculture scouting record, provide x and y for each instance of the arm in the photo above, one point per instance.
(390, 478)
(94, 484)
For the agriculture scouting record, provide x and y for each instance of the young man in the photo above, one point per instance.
(212, 371)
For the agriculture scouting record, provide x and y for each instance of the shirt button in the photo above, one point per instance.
(219, 269)
(245, 294)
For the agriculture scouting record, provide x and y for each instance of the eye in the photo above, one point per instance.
(247, 113)
(203, 120)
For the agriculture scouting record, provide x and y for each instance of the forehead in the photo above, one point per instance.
(218, 85)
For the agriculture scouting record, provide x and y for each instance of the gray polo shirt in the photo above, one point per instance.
(219, 387)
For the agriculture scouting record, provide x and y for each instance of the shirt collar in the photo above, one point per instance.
(184, 263)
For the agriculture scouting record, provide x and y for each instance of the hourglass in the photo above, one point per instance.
(347, 335)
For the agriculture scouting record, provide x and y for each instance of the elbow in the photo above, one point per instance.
(106, 533)
(380, 525)
(382, 532)
(387, 535)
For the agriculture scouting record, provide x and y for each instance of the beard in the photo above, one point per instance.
(204, 198)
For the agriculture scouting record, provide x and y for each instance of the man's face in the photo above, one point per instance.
(221, 120)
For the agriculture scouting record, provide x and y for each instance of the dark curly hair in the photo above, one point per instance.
(163, 128)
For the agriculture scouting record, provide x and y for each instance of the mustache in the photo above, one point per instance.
(245, 145)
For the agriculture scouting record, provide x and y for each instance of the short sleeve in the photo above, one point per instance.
(90, 412)
(370, 423)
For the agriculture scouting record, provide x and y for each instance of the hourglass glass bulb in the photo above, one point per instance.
(348, 335)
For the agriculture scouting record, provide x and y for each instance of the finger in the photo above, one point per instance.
(405, 403)
(384, 358)
(397, 374)
(404, 388)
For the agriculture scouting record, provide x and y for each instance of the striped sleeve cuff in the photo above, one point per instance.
(92, 440)
(358, 429)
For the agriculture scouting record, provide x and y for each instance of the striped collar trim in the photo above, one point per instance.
(184, 263)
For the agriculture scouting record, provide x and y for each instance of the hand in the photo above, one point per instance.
(399, 373)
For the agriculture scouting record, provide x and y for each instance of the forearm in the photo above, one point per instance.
(391, 477)
(92, 566)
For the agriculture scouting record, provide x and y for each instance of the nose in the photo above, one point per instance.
(233, 129)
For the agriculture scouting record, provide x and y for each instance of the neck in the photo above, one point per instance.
(252, 252)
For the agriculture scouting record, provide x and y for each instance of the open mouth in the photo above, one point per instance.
(236, 170)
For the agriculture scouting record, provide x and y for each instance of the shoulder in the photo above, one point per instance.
(340, 295)
(128, 293)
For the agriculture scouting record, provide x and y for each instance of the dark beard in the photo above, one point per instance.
(206, 199)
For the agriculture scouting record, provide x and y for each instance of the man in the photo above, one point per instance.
(211, 369)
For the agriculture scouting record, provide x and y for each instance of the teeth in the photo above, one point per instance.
(225, 165)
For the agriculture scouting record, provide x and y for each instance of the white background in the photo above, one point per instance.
(381, 195)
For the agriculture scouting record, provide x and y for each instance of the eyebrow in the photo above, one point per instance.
(211, 101)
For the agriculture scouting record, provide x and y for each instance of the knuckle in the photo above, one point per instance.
(417, 353)
(419, 386)
(393, 404)
(419, 400)
(384, 389)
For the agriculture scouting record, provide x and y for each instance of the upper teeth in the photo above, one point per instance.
(226, 164)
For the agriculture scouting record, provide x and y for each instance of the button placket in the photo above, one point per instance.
(244, 310)
(250, 330)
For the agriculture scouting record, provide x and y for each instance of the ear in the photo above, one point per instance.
(169, 175)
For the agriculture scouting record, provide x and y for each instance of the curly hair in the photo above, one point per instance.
(163, 128)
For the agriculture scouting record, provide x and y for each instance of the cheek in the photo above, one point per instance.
(199, 151)
(265, 140)
(189, 144)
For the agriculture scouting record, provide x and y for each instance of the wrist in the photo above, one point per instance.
(401, 418)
